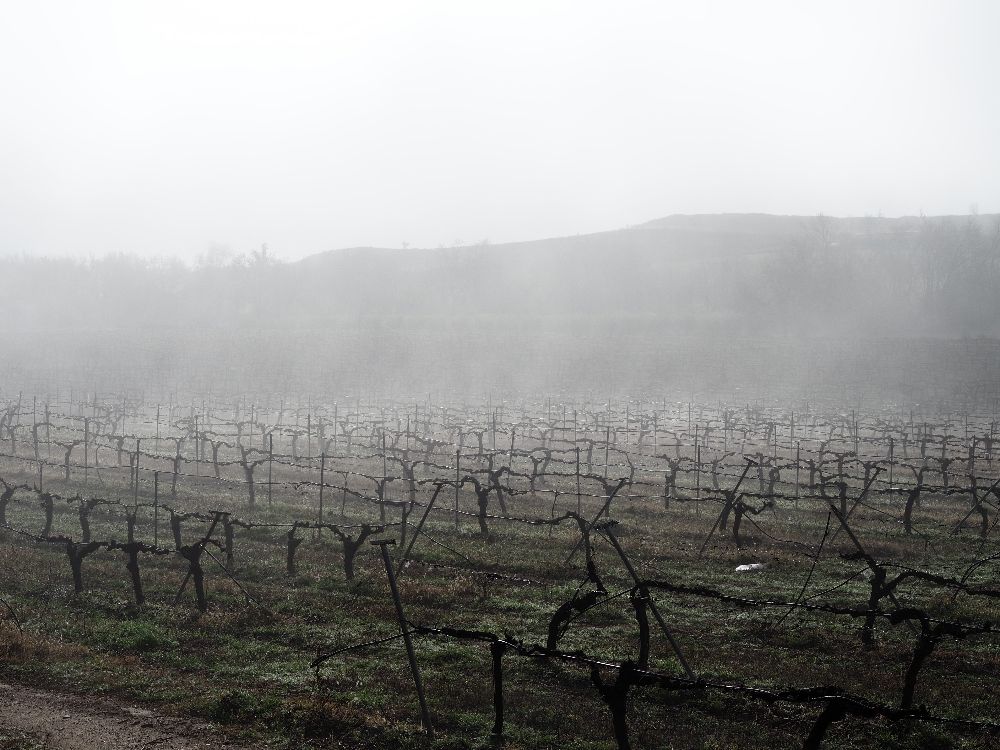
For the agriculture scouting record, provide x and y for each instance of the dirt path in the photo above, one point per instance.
(60, 721)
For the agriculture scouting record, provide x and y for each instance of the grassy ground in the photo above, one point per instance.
(246, 664)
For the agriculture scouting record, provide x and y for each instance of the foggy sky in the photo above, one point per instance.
(169, 128)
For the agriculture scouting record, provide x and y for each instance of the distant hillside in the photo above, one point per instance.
(737, 272)
(884, 276)
(673, 298)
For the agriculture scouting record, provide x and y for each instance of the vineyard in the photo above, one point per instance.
(546, 572)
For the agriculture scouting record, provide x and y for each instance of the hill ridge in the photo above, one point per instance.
(728, 223)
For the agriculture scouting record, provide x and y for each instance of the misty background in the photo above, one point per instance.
(402, 197)
(770, 304)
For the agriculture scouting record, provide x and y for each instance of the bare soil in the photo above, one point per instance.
(33, 719)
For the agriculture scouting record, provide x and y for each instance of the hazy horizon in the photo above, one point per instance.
(175, 130)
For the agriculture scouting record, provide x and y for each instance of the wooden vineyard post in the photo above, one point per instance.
(156, 508)
(892, 446)
(798, 461)
(86, 444)
(666, 492)
(385, 467)
(404, 629)
(607, 446)
(197, 449)
(270, 466)
(854, 417)
(989, 453)
(697, 457)
(322, 475)
(385, 482)
(579, 498)
(697, 468)
(135, 487)
(458, 481)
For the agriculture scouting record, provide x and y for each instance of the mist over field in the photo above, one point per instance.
(707, 302)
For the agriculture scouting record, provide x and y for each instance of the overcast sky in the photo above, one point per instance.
(166, 128)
